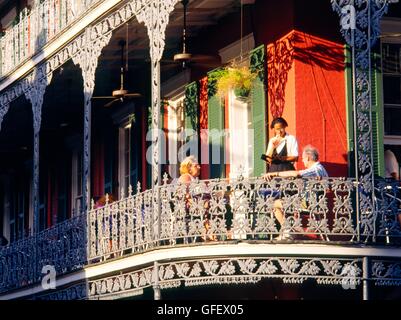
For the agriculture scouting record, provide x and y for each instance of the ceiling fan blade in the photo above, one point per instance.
(103, 97)
(133, 95)
(109, 104)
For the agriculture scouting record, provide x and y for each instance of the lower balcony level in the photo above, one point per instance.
(214, 232)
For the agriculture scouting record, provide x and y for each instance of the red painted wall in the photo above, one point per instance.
(313, 102)
(320, 100)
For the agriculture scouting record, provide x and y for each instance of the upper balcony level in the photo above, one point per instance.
(232, 217)
(40, 29)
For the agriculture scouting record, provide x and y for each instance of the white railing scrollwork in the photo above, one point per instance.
(35, 27)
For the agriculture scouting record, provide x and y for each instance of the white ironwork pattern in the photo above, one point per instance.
(36, 27)
(229, 271)
(221, 210)
(100, 30)
(132, 283)
(252, 270)
(238, 270)
(210, 210)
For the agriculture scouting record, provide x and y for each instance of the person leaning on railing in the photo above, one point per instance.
(310, 159)
(101, 202)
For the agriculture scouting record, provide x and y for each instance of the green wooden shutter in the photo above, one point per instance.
(191, 108)
(377, 115)
(216, 127)
(257, 65)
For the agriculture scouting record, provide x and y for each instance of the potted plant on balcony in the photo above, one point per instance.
(238, 79)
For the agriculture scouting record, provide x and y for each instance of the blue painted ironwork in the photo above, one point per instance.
(62, 247)
(38, 80)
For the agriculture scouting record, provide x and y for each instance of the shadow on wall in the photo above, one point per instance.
(301, 47)
(319, 52)
(280, 57)
(336, 169)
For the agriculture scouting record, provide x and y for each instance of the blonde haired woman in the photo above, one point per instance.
(189, 170)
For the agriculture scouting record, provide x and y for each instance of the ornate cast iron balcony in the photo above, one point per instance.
(214, 211)
(35, 28)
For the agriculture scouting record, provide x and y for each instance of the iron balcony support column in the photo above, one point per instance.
(365, 277)
(156, 17)
(156, 286)
(38, 81)
(87, 59)
(360, 26)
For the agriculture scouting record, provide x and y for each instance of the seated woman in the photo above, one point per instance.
(190, 171)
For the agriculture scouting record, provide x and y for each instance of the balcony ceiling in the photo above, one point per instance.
(200, 14)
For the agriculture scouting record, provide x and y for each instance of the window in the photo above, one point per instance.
(240, 137)
(175, 135)
(77, 184)
(129, 155)
(391, 59)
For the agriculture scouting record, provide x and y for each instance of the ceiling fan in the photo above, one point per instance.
(120, 94)
(186, 58)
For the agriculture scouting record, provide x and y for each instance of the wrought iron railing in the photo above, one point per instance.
(62, 248)
(205, 211)
(34, 28)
